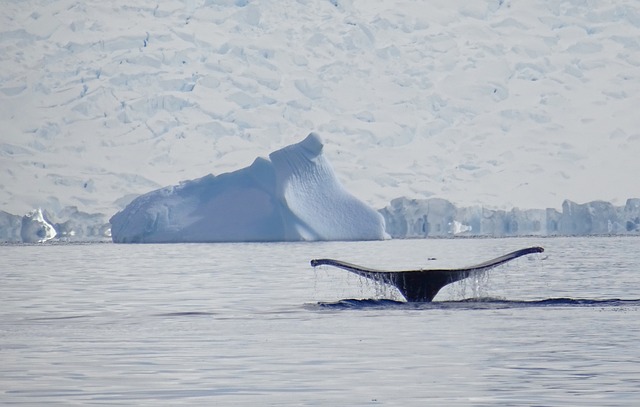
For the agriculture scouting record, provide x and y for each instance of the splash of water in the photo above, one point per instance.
(349, 285)
(476, 286)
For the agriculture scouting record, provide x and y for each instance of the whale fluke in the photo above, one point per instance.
(423, 285)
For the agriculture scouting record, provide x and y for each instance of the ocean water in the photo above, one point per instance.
(254, 324)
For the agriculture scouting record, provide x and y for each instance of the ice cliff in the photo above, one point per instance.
(404, 218)
(414, 218)
(294, 195)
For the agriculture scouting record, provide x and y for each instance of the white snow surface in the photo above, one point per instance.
(294, 196)
(498, 103)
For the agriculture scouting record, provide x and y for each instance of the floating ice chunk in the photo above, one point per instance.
(35, 229)
(460, 228)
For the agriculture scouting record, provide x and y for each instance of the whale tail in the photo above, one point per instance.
(423, 285)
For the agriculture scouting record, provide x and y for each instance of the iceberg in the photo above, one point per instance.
(10, 227)
(319, 207)
(292, 196)
(35, 228)
(43, 225)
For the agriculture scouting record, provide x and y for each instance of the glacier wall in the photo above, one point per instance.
(435, 217)
(403, 217)
(41, 225)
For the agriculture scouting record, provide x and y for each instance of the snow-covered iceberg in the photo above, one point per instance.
(294, 195)
(35, 228)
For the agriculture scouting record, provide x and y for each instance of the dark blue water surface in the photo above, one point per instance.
(254, 324)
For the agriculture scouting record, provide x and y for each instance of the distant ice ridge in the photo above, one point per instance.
(404, 218)
(39, 226)
(293, 196)
(413, 218)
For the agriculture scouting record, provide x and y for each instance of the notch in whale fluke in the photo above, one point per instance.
(423, 285)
